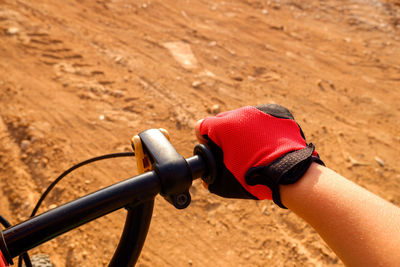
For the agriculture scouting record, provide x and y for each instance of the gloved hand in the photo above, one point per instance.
(256, 149)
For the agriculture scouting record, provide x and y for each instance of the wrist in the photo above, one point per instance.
(297, 194)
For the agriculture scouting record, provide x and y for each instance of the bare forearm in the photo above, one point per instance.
(362, 229)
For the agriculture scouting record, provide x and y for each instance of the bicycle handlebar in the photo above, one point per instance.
(46, 226)
(171, 176)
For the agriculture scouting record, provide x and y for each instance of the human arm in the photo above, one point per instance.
(360, 227)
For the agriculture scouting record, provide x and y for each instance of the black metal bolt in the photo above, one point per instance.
(181, 199)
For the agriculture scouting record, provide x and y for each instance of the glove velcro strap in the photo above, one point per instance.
(285, 170)
(289, 169)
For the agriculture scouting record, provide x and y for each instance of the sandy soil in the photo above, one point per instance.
(79, 78)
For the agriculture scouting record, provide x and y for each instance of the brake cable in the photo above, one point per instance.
(6, 224)
(154, 148)
(76, 166)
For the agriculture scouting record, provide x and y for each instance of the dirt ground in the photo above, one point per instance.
(79, 78)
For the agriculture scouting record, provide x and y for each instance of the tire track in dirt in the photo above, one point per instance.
(335, 65)
(16, 181)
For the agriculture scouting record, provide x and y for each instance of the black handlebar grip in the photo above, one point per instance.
(211, 168)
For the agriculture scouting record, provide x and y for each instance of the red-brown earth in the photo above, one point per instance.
(80, 78)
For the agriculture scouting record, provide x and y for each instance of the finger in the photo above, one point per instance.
(200, 138)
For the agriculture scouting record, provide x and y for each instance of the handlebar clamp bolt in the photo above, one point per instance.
(180, 201)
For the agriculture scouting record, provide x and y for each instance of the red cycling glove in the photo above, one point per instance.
(3, 262)
(256, 149)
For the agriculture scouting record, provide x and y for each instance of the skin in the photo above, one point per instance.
(360, 227)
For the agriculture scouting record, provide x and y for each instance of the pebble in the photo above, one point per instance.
(263, 209)
(276, 6)
(118, 59)
(264, 11)
(380, 161)
(215, 109)
(251, 78)
(25, 144)
(45, 161)
(118, 93)
(101, 117)
(196, 84)
(12, 31)
(52, 206)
